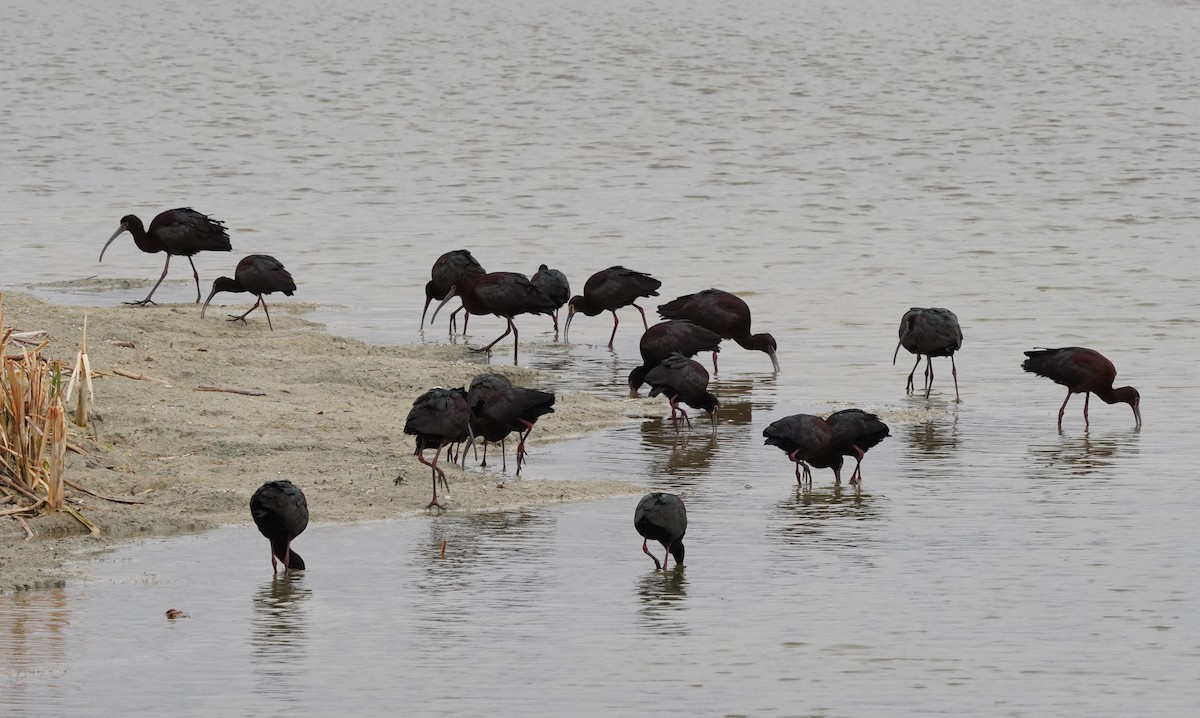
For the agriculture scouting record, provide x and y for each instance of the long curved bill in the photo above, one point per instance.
(567, 325)
(1137, 415)
(203, 309)
(774, 361)
(116, 234)
(453, 293)
(897, 353)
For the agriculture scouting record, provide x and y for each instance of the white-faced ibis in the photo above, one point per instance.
(683, 380)
(662, 517)
(258, 274)
(178, 232)
(607, 291)
(805, 439)
(505, 294)
(438, 418)
(1082, 371)
(448, 270)
(506, 410)
(553, 284)
(854, 433)
(280, 512)
(666, 338)
(483, 387)
(933, 333)
(724, 313)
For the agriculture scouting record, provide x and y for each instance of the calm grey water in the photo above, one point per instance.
(1027, 165)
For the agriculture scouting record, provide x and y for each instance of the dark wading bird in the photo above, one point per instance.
(662, 517)
(178, 232)
(483, 387)
(805, 439)
(683, 380)
(933, 333)
(449, 269)
(439, 417)
(666, 338)
(854, 433)
(553, 284)
(724, 313)
(505, 294)
(258, 274)
(506, 410)
(607, 291)
(280, 512)
(1082, 371)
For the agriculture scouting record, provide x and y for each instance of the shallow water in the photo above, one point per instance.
(1024, 166)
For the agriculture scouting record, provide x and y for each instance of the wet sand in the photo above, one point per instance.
(331, 419)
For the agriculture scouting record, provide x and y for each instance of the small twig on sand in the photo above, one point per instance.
(122, 343)
(28, 338)
(28, 531)
(77, 487)
(229, 390)
(139, 377)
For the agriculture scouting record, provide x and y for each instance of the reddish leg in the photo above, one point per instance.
(1062, 409)
(954, 373)
(908, 388)
(242, 317)
(645, 324)
(614, 332)
(521, 444)
(161, 277)
(274, 562)
(196, 276)
(666, 556)
(645, 550)
(714, 362)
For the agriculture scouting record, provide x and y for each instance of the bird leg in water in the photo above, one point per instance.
(521, 444)
(666, 556)
(645, 550)
(510, 329)
(685, 416)
(554, 316)
(645, 324)
(1086, 395)
(954, 373)
(856, 477)
(1062, 409)
(161, 277)
(908, 387)
(614, 333)
(196, 276)
(714, 362)
(275, 562)
(928, 375)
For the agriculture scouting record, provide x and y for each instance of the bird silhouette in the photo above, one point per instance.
(662, 517)
(438, 418)
(280, 512)
(933, 333)
(1082, 371)
(258, 274)
(683, 380)
(607, 291)
(179, 232)
(726, 314)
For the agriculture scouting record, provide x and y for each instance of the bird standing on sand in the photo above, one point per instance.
(438, 417)
(607, 291)
(178, 232)
(509, 409)
(553, 284)
(448, 270)
(1082, 371)
(280, 512)
(934, 333)
(662, 517)
(683, 380)
(505, 294)
(726, 314)
(258, 274)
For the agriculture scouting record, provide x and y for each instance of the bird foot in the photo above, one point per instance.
(435, 504)
(141, 303)
(398, 480)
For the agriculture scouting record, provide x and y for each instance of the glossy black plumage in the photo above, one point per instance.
(666, 338)
(258, 274)
(931, 332)
(280, 512)
(724, 313)
(438, 418)
(854, 433)
(1083, 371)
(505, 294)
(449, 269)
(662, 517)
(683, 380)
(554, 285)
(804, 438)
(607, 291)
(497, 413)
(179, 232)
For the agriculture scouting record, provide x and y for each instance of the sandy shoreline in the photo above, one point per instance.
(331, 420)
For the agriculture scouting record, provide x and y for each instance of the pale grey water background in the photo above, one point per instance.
(1030, 166)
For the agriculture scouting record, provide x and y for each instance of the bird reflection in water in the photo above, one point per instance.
(1082, 455)
(663, 597)
(279, 634)
(808, 516)
(935, 438)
